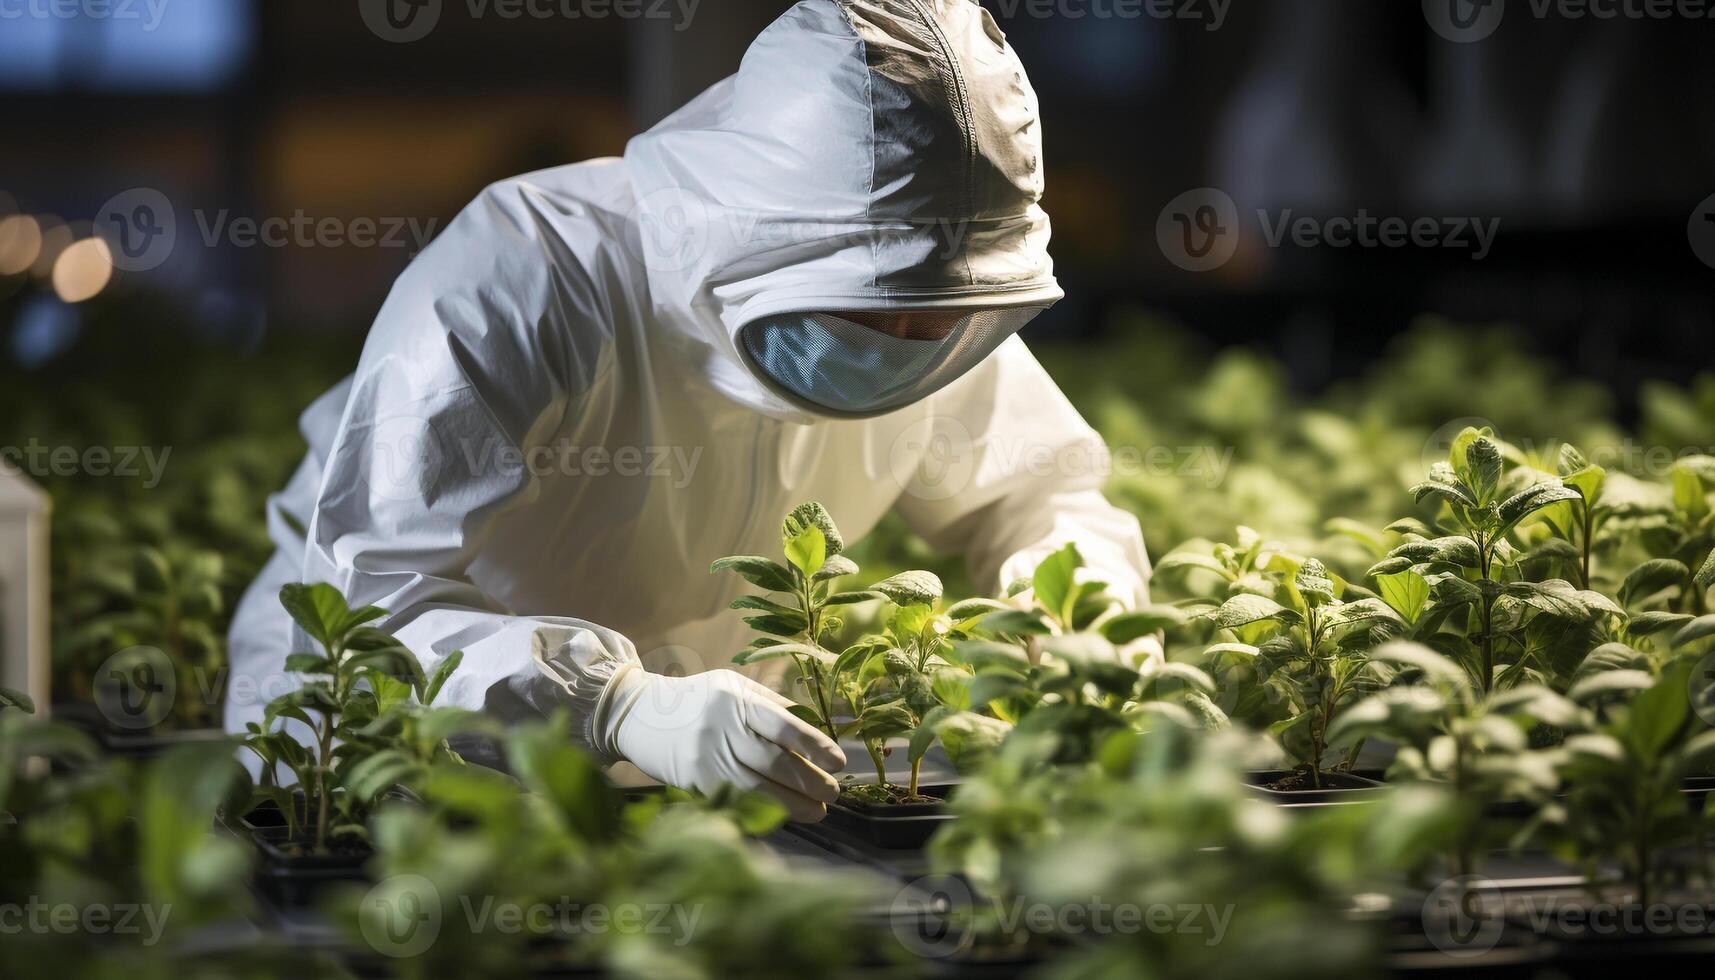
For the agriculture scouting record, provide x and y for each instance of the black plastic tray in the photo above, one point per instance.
(904, 827)
(1366, 788)
(134, 744)
(295, 879)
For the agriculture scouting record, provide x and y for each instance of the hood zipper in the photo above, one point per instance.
(962, 105)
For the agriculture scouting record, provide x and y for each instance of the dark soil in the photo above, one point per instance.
(885, 795)
(1300, 780)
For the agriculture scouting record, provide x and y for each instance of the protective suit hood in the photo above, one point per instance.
(868, 154)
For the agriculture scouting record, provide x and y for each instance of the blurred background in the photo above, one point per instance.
(1302, 236)
(1583, 137)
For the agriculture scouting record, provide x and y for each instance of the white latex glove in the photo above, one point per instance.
(717, 727)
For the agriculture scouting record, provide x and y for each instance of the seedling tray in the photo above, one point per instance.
(906, 826)
(1338, 787)
(291, 879)
(129, 743)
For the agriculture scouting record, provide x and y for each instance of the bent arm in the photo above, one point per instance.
(1032, 483)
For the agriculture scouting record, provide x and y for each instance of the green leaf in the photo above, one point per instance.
(812, 514)
(1432, 664)
(1014, 622)
(1657, 713)
(1247, 608)
(1482, 467)
(807, 550)
(17, 700)
(1054, 577)
(910, 588)
(438, 678)
(1697, 629)
(759, 654)
(1706, 575)
(369, 778)
(1610, 682)
(764, 604)
(790, 626)
(848, 598)
(761, 572)
(1313, 583)
(308, 663)
(836, 566)
(975, 609)
(1405, 591)
(1125, 627)
(318, 609)
(1651, 623)
(1651, 577)
(1532, 499)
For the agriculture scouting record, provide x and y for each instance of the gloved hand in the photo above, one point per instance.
(717, 727)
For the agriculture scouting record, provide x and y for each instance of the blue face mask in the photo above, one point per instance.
(840, 365)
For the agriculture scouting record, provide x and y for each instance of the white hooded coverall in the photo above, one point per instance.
(551, 429)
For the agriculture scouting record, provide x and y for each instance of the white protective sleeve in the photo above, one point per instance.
(1035, 474)
(456, 373)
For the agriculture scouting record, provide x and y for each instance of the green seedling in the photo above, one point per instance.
(364, 735)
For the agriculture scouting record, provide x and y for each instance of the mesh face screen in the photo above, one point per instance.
(837, 365)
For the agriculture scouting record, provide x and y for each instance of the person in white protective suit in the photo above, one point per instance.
(804, 285)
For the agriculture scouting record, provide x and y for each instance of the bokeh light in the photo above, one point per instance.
(83, 270)
(20, 243)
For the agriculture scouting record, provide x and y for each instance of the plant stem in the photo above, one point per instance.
(916, 770)
(880, 761)
(1485, 557)
(1589, 533)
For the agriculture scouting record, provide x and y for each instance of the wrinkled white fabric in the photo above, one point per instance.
(551, 432)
